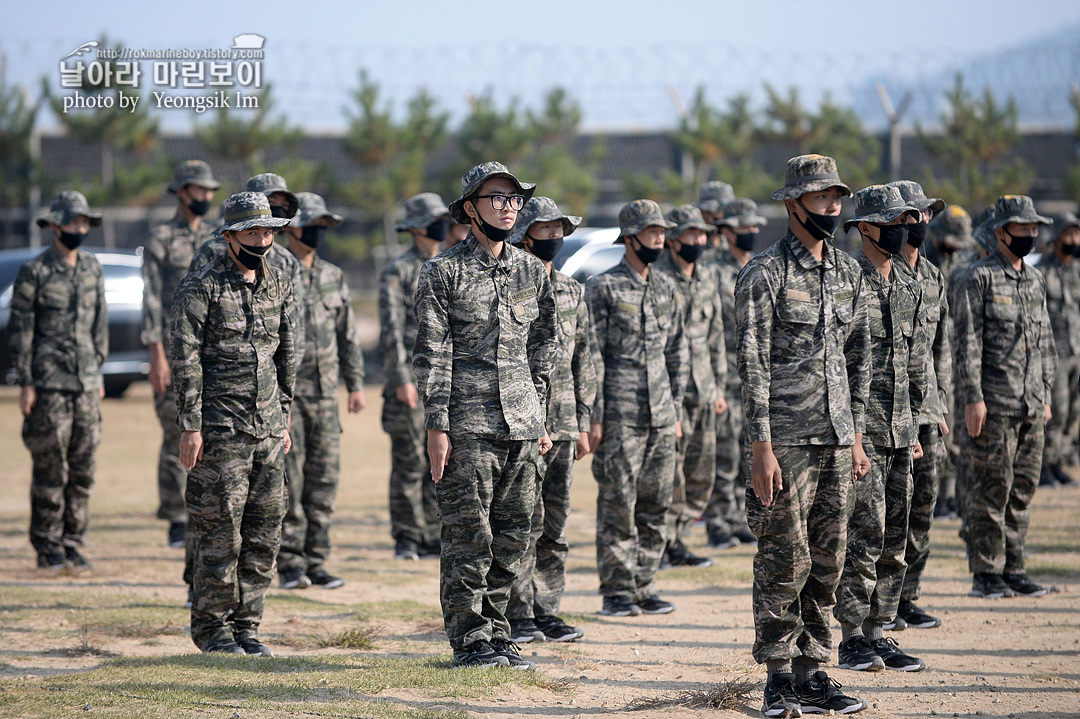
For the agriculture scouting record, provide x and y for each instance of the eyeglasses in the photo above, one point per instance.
(498, 202)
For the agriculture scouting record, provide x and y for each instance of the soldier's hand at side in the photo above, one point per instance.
(27, 399)
(101, 393)
(596, 433)
(438, 449)
(357, 401)
(720, 405)
(1049, 414)
(191, 448)
(582, 445)
(917, 451)
(765, 473)
(545, 444)
(407, 394)
(860, 463)
(160, 373)
(975, 418)
(678, 430)
(944, 426)
(287, 442)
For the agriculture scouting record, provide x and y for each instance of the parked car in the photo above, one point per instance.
(128, 360)
(588, 252)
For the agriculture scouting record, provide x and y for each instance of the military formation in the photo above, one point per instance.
(820, 406)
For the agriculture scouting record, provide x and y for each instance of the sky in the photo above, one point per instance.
(631, 64)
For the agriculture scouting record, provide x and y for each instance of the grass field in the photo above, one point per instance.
(113, 642)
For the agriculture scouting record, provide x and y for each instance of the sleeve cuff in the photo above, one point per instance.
(190, 422)
(438, 420)
(760, 432)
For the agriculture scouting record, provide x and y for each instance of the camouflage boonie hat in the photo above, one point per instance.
(193, 172)
(953, 226)
(471, 181)
(245, 210)
(713, 196)
(541, 209)
(741, 212)
(913, 193)
(637, 215)
(686, 217)
(1063, 222)
(809, 173)
(312, 207)
(880, 205)
(984, 230)
(421, 210)
(65, 207)
(268, 183)
(1016, 208)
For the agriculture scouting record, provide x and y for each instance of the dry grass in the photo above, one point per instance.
(734, 695)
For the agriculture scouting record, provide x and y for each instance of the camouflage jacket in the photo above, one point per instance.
(703, 323)
(1005, 348)
(485, 342)
(937, 332)
(291, 269)
(397, 317)
(898, 382)
(58, 332)
(233, 350)
(948, 263)
(573, 377)
(166, 260)
(1063, 302)
(641, 353)
(803, 344)
(727, 269)
(332, 349)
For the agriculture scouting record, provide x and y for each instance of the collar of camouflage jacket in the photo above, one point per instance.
(802, 255)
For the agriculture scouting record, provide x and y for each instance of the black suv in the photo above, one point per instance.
(128, 360)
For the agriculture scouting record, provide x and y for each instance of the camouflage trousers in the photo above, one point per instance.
(695, 470)
(542, 578)
(726, 512)
(414, 511)
(634, 469)
(877, 539)
(802, 540)
(172, 476)
(1061, 430)
(486, 499)
(62, 432)
(1005, 462)
(312, 470)
(236, 501)
(924, 491)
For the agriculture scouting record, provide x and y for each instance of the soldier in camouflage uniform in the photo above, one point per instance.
(725, 517)
(534, 600)
(641, 368)
(932, 418)
(485, 346)
(703, 399)
(712, 198)
(234, 373)
(1062, 272)
(1005, 365)
(166, 259)
(58, 338)
(804, 362)
(950, 246)
(874, 568)
(414, 520)
(313, 466)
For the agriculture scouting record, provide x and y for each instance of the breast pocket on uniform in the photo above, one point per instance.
(1001, 309)
(231, 329)
(796, 307)
(526, 311)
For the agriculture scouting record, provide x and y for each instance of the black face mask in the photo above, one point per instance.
(891, 238)
(647, 255)
(946, 249)
(1073, 250)
(546, 249)
(438, 230)
(1020, 245)
(71, 240)
(199, 207)
(493, 233)
(916, 234)
(745, 240)
(312, 235)
(282, 212)
(251, 257)
(820, 227)
(690, 253)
